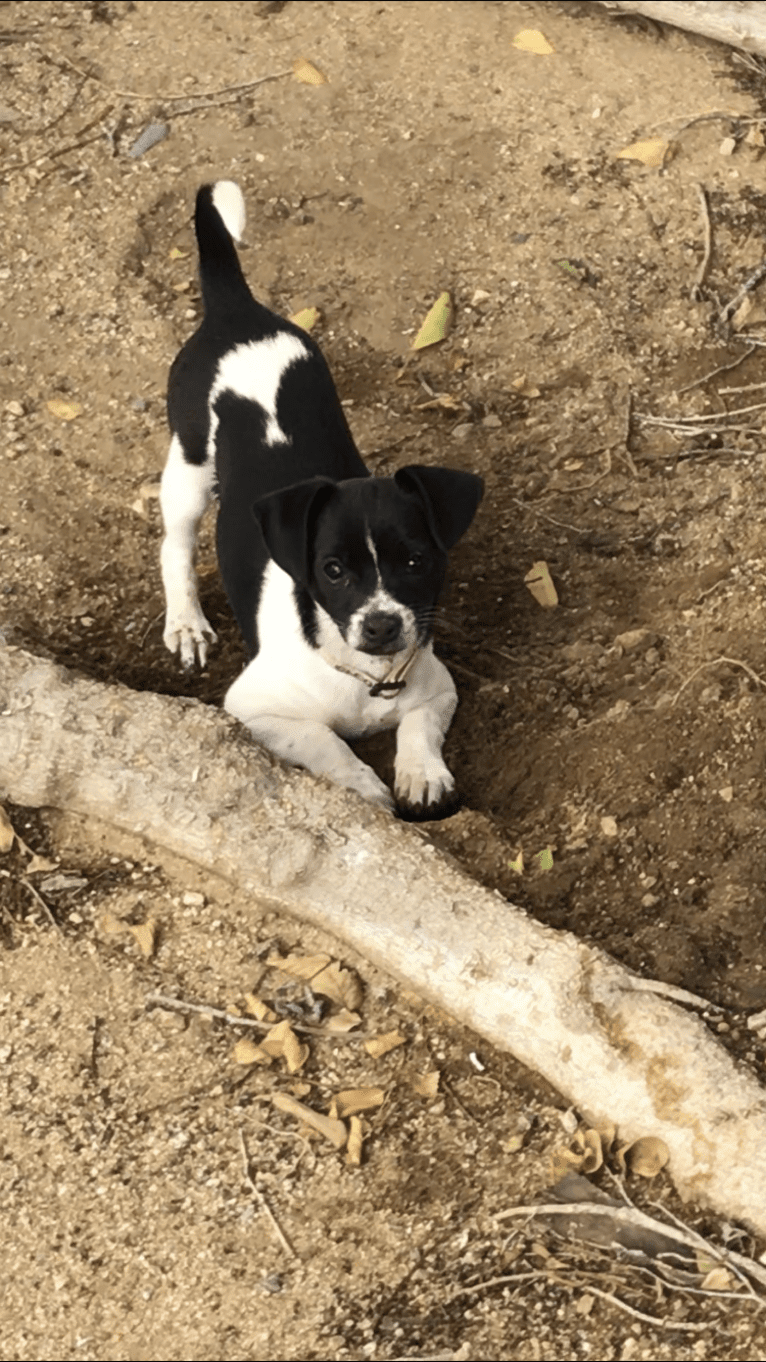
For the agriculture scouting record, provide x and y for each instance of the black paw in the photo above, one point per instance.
(429, 813)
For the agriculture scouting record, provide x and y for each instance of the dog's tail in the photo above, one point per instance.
(219, 221)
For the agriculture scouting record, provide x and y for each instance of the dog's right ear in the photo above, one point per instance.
(287, 520)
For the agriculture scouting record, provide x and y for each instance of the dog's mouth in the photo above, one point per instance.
(392, 650)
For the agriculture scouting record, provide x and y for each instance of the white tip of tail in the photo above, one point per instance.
(229, 203)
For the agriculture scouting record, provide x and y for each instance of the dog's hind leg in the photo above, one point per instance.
(185, 492)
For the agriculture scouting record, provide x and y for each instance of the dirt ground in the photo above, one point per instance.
(623, 731)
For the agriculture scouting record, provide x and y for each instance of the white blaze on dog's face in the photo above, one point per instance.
(376, 569)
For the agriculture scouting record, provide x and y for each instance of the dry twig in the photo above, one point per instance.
(696, 292)
(178, 1005)
(262, 1202)
(28, 885)
(722, 369)
(715, 662)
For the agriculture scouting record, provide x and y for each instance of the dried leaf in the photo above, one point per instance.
(651, 152)
(593, 1155)
(719, 1279)
(274, 1040)
(295, 1052)
(532, 40)
(539, 581)
(544, 859)
(444, 400)
(7, 832)
(306, 319)
(426, 1085)
(342, 1021)
(258, 1008)
(110, 924)
(355, 1138)
(299, 966)
(247, 1052)
(343, 986)
(523, 388)
(354, 1100)
(436, 324)
(307, 73)
(39, 864)
(332, 1130)
(754, 136)
(281, 1042)
(65, 411)
(742, 313)
(378, 1046)
(146, 936)
(585, 1305)
(175, 253)
(646, 1156)
(517, 865)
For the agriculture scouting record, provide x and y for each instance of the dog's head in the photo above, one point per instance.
(372, 552)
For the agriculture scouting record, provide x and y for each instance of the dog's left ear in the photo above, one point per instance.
(450, 499)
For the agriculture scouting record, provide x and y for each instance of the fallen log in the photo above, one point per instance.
(740, 25)
(185, 778)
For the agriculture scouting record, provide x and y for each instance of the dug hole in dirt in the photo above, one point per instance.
(610, 749)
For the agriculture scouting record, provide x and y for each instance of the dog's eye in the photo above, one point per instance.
(334, 570)
(415, 562)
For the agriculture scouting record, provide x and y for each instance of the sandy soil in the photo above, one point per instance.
(623, 731)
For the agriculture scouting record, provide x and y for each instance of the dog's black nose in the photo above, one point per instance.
(380, 631)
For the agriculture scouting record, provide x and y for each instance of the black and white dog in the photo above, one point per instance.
(333, 575)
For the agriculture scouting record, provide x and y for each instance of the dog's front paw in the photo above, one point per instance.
(188, 635)
(424, 790)
(367, 784)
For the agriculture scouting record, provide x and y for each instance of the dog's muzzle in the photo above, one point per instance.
(381, 633)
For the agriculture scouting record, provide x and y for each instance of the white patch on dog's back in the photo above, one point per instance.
(255, 371)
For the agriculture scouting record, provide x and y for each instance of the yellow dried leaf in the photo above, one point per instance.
(646, 1156)
(426, 1085)
(342, 1021)
(593, 1156)
(343, 986)
(651, 152)
(380, 1045)
(247, 1052)
(175, 253)
(539, 581)
(354, 1100)
(331, 1129)
(299, 966)
(274, 1040)
(65, 411)
(306, 319)
(517, 865)
(38, 864)
(719, 1279)
(532, 40)
(295, 1052)
(436, 324)
(7, 833)
(146, 936)
(354, 1146)
(306, 72)
(258, 1008)
(110, 924)
(585, 1304)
